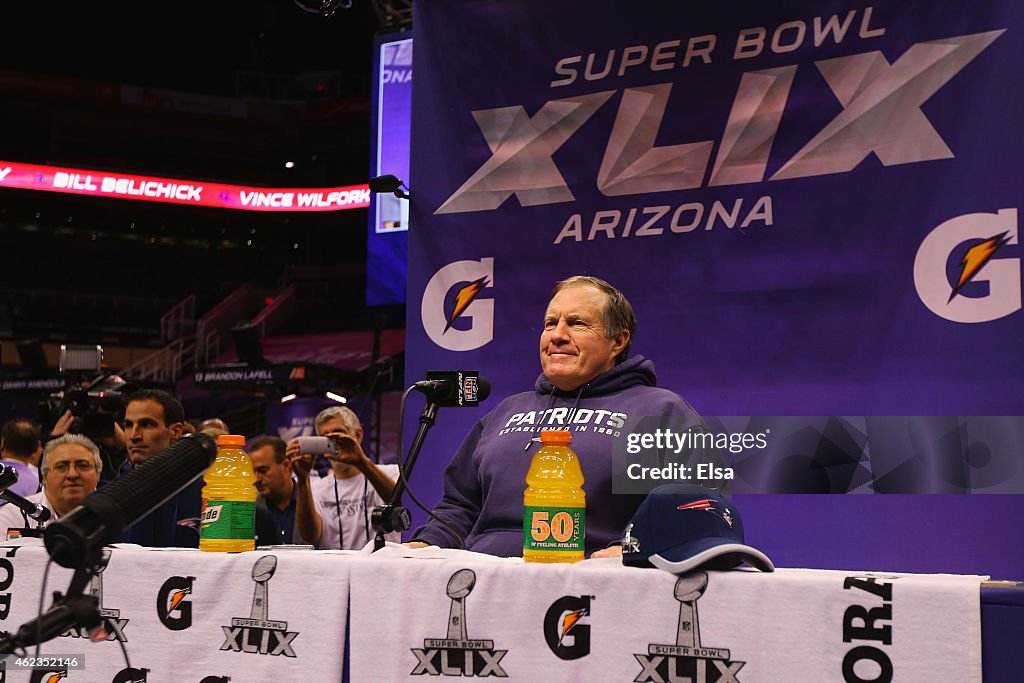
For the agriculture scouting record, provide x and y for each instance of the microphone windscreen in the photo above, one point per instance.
(159, 478)
(105, 514)
(483, 388)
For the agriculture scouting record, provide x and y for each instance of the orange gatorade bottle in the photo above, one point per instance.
(554, 504)
(229, 499)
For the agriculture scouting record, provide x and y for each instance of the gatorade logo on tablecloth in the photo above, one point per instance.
(113, 624)
(173, 610)
(130, 675)
(258, 634)
(48, 675)
(456, 654)
(565, 631)
(688, 659)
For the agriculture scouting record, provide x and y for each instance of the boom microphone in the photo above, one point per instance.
(388, 184)
(454, 388)
(106, 513)
(9, 477)
(32, 510)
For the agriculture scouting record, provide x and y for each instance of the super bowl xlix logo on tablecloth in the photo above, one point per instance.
(456, 654)
(257, 634)
(113, 624)
(688, 659)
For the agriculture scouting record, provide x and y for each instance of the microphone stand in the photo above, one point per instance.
(394, 517)
(32, 511)
(72, 609)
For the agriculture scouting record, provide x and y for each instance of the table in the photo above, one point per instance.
(286, 615)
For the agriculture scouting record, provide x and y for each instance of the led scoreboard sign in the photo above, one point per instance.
(176, 191)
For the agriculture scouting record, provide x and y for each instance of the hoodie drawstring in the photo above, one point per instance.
(550, 414)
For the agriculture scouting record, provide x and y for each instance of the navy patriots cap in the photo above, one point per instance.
(684, 527)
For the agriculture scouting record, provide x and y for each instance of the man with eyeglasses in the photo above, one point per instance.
(70, 468)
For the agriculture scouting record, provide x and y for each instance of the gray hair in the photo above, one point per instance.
(350, 419)
(70, 440)
(616, 314)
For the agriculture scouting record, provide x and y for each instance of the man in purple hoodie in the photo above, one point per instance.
(587, 386)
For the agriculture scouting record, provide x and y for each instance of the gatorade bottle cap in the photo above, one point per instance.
(555, 436)
(230, 440)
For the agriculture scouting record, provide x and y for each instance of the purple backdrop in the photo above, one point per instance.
(813, 210)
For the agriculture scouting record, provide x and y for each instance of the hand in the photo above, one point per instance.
(415, 544)
(302, 465)
(118, 440)
(613, 551)
(347, 450)
(63, 424)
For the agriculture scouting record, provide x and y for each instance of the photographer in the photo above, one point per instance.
(347, 495)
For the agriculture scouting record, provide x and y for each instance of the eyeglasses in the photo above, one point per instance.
(82, 466)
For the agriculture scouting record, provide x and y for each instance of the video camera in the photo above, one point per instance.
(95, 397)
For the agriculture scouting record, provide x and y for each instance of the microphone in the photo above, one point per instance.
(9, 477)
(32, 510)
(106, 513)
(388, 183)
(454, 388)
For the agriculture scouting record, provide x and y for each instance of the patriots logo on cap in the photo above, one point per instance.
(711, 506)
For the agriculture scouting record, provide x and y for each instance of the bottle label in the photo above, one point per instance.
(553, 528)
(228, 519)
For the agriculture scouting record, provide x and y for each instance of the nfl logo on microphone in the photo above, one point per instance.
(469, 388)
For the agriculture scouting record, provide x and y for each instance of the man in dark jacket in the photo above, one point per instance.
(153, 421)
(587, 386)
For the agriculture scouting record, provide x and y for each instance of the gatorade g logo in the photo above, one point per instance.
(173, 610)
(962, 272)
(48, 675)
(451, 297)
(130, 675)
(564, 630)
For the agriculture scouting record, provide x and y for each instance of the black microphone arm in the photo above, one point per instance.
(9, 477)
(441, 391)
(106, 513)
(32, 510)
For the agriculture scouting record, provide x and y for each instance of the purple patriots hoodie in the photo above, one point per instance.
(484, 482)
